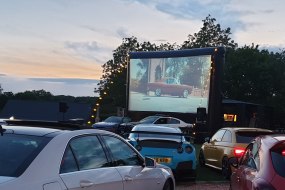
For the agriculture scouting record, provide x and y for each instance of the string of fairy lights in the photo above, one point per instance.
(104, 92)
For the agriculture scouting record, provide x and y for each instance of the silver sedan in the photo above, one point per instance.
(34, 158)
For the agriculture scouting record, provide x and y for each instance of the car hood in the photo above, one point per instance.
(5, 179)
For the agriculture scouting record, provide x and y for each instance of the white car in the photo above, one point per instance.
(35, 158)
(160, 120)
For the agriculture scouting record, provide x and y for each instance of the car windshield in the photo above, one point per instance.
(148, 120)
(113, 119)
(18, 151)
(247, 136)
(278, 158)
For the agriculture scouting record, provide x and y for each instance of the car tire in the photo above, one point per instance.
(201, 158)
(185, 93)
(226, 170)
(168, 185)
(158, 92)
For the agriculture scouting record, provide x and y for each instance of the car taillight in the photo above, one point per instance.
(238, 152)
(188, 149)
(283, 152)
(180, 149)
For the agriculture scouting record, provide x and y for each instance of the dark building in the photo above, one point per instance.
(45, 110)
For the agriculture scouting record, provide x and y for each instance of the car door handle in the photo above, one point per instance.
(128, 178)
(85, 183)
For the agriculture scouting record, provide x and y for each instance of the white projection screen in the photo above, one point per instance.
(169, 84)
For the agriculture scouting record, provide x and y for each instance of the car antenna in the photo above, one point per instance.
(2, 130)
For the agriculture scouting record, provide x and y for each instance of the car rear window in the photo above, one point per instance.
(278, 158)
(248, 136)
(18, 151)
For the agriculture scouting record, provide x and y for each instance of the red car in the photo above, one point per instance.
(262, 165)
(169, 86)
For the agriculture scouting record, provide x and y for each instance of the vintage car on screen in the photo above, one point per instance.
(169, 86)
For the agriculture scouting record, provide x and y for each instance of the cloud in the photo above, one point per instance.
(2, 75)
(78, 46)
(56, 86)
(69, 81)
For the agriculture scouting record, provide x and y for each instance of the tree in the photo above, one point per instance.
(255, 75)
(210, 35)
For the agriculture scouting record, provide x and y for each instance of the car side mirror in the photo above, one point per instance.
(233, 161)
(149, 162)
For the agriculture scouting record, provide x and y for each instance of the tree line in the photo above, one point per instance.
(250, 73)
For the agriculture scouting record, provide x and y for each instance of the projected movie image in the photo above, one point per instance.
(177, 84)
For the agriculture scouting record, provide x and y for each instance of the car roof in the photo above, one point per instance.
(28, 130)
(156, 128)
(237, 129)
(38, 127)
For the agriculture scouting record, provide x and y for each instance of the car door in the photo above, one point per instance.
(248, 169)
(211, 147)
(85, 165)
(130, 165)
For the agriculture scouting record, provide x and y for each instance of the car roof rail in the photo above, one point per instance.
(63, 125)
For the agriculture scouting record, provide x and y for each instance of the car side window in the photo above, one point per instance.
(68, 163)
(248, 157)
(218, 135)
(173, 121)
(122, 153)
(161, 121)
(88, 153)
(227, 136)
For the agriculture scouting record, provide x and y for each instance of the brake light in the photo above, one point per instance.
(283, 152)
(238, 152)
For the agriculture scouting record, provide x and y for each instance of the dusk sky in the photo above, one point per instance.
(60, 45)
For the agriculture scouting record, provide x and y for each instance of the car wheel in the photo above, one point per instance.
(167, 185)
(158, 92)
(201, 158)
(226, 170)
(185, 93)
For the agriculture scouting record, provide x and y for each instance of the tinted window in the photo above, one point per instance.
(248, 136)
(122, 153)
(173, 121)
(88, 153)
(218, 135)
(227, 137)
(278, 159)
(113, 119)
(18, 151)
(249, 156)
(161, 121)
(149, 119)
(68, 163)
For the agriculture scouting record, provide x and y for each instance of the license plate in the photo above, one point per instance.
(163, 160)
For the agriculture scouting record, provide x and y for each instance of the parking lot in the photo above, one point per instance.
(207, 178)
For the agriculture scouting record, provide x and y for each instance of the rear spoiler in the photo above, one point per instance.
(188, 137)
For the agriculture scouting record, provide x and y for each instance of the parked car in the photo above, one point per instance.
(167, 146)
(113, 124)
(169, 86)
(53, 159)
(226, 143)
(160, 120)
(261, 166)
